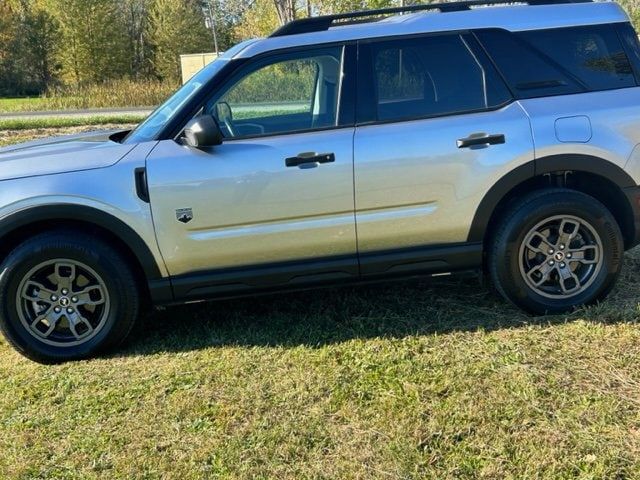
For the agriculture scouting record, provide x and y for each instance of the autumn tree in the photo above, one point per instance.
(175, 27)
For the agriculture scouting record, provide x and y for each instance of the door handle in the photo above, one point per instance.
(310, 157)
(481, 139)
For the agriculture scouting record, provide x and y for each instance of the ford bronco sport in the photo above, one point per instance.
(418, 140)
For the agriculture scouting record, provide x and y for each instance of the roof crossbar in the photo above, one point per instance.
(324, 22)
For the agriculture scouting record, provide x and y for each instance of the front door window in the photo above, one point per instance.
(289, 94)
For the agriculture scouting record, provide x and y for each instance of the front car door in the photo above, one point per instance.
(437, 129)
(274, 203)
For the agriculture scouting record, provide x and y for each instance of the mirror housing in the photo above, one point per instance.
(202, 131)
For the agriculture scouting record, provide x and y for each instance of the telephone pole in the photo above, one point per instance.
(211, 23)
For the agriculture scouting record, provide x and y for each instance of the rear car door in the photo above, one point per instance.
(277, 194)
(437, 128)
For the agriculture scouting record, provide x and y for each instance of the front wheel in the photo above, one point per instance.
(66, 296)
(556, 250)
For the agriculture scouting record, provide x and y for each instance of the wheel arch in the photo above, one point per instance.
(598, 177)
(19, 226)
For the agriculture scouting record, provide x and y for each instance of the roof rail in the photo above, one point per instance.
(324, 22)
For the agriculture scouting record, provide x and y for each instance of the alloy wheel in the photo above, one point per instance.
(63, 302)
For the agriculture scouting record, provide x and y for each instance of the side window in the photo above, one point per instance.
(632, 45)
(432, 76)
(593, 54)
(560, 61)
(528, 73)
(288, 94)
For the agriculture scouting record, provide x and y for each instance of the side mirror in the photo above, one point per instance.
(203, 131)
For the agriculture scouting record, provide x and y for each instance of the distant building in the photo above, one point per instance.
(193, 63)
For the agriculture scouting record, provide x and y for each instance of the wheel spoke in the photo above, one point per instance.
(580, 255)
(65, 274)
(93, 295)
(76, 319)
(544, 269)
(538, 243)
(566, 274)
(568, 230)
(38, 292)
(51, 318)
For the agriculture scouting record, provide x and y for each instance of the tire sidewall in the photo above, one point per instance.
(20, 262)
(508, 252)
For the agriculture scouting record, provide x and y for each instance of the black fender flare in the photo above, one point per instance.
(542, 166)
(159, 286)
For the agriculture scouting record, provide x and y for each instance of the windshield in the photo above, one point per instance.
(151, 127)
(155, 123)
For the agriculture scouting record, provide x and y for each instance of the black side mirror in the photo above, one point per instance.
(203, 131)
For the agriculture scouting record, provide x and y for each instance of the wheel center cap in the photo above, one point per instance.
(64, 301)
(559, 256)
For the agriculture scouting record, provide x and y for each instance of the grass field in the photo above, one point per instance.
(415, 380)
(120, 93)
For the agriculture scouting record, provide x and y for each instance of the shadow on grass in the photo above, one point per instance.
(393, 310)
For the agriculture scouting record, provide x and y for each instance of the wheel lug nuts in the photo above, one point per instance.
(551, 251)
(57, 309)
(65, 291)
(562, 265)
(74, 299)
(54, 298)
(552, 263)
(561, 247)
(569, 255)
(69, 310)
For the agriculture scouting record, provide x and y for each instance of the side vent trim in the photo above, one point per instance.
(142, 189)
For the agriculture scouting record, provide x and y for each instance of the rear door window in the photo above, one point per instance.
(431, 76)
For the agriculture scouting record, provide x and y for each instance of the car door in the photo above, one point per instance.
(437, 128)
(274, 202)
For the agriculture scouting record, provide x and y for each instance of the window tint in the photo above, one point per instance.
(283, 96)
(593, 54)
(632, 45)
(560, 61)
(431, 76)
(528, 73)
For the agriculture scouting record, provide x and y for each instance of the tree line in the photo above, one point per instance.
(49, 44)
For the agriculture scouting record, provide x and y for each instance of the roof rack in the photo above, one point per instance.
(324, 22)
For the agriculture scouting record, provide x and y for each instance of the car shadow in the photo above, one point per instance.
(392, 310)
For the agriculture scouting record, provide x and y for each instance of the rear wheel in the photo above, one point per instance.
(555, 250)
(66, 296)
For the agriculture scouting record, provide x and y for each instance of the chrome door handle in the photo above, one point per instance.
(310, 157)
(481, 140)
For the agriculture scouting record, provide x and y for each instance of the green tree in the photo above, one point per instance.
(258, 20)
(175, 27)
(39, 49)
(92, 33)
(135, 15)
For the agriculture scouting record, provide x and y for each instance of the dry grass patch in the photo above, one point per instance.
(10, 137)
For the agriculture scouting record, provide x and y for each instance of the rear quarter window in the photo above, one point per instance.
(560, 61)
(593, 54)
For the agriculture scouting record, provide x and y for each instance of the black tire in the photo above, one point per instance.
(115, 317)
(509, 258)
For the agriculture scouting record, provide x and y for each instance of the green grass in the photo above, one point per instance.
(61, 122)
(21, 104)
(417, 380)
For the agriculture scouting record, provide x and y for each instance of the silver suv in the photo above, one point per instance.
(419, 140)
